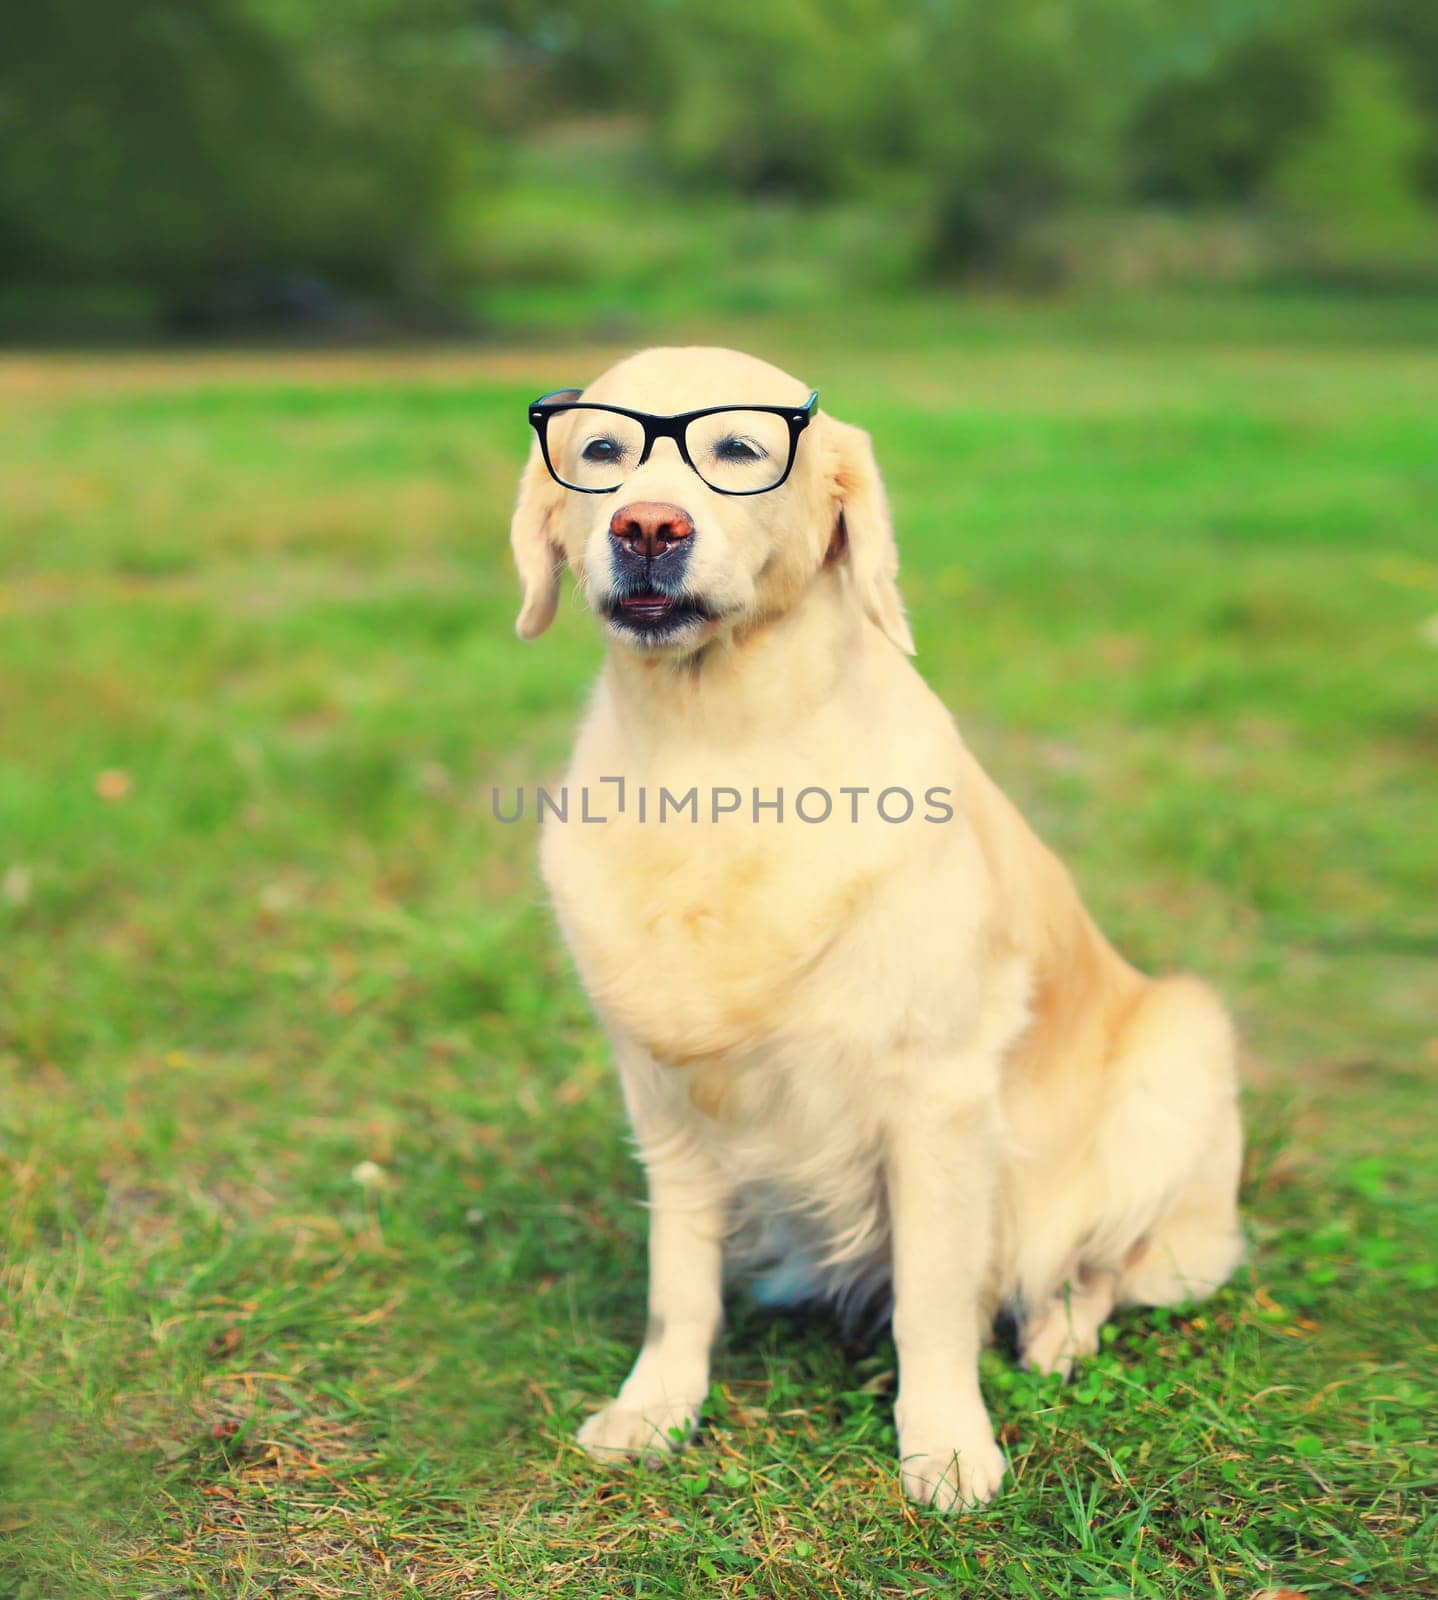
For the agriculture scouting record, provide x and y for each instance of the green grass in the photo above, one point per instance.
(1176, 573)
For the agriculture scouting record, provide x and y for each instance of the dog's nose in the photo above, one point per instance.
(650, 528)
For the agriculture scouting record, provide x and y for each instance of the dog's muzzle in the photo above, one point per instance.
(650, 541)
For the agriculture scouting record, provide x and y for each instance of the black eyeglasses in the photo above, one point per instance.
(734, 449)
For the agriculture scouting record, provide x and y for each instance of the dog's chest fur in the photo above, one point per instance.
(701, 940)
(774, 988)
(695, 940)
(777, 1011)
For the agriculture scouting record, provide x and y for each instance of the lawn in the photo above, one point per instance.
(322, 1229)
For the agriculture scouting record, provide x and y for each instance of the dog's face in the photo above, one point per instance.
(667, 562)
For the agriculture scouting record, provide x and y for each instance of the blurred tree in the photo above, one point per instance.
(1018, 118)
(173, 141)
(183, 143)
(1353, 182)
(801, 97)
(1214, 131)
(1405, 32)
(987, 117)
(137, 135)
(565, 56)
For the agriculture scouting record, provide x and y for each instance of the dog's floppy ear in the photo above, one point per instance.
(538, 556)
(863, 533)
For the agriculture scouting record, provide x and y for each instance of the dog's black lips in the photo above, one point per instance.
(654, 611)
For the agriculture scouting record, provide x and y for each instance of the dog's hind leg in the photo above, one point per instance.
(1160, 1195)
(1170, 1152)
(1195, 1248)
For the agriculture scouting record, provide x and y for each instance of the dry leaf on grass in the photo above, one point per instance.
(112, 784)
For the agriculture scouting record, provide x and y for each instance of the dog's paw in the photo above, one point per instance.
(617, 1434)
(956, 1479)
(1056, 1339)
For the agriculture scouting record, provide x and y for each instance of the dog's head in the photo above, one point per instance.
(707, 533)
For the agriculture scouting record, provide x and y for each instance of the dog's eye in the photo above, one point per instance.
(737, 450)
(602, 450)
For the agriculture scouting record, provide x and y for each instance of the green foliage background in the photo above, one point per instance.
(419, 152)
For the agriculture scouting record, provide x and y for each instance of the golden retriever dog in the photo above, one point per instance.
(878, 1049)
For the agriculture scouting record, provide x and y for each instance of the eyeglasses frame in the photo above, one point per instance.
(656, 428)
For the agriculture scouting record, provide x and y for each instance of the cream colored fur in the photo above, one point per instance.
(905, 1046)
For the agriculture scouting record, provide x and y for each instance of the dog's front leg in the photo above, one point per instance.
(658, 1407)
(941, 1170)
